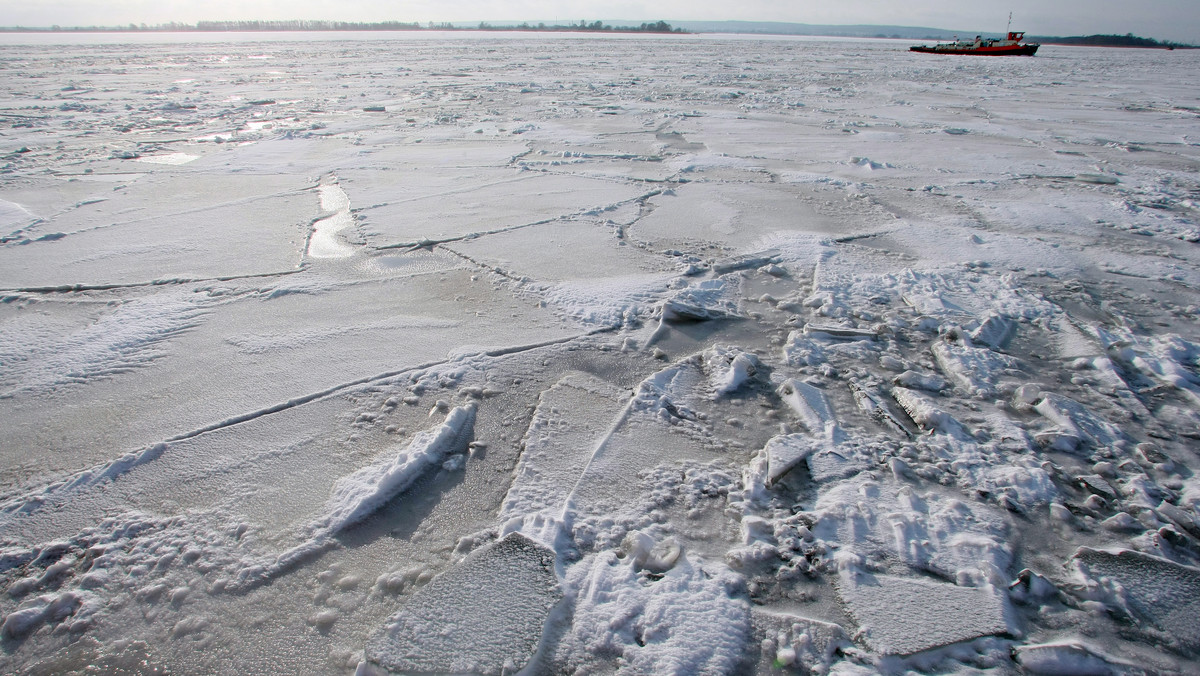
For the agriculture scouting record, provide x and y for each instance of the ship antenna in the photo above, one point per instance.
(1009, 30)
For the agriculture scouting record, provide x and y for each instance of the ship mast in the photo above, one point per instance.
(1009, 29)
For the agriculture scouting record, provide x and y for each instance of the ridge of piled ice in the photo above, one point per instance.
(607, 302)
(357, 496)
(324, 242)
(691, 620)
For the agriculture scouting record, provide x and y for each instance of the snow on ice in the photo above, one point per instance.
(496, 353)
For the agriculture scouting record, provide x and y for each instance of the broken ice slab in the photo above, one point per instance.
(833, 331)
(1162, 592)
(810, 404)
(745, 262)
(570, 420)
(875, 407)
(1076, 421)
(1099, 179)
(902, 616)
(926, 531)
(976, 369)
(926, 413)
(709, 299)
(994, 330)
(484, 616)
(1094, 483)
(1070, 342)
(785, 452)
(657, 426)
(793, 643)
(921, 381)
(1053, 659)
(832, 464)
(1184, 518)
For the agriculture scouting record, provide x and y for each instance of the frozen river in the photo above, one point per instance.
(482, 353)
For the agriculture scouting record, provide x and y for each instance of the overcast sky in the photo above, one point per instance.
(1163, 19)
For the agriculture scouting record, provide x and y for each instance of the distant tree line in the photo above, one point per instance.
(301, 25)
(297, 25)
(596, 26)
(1127, 40)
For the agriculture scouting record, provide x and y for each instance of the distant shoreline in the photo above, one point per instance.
(659, 27)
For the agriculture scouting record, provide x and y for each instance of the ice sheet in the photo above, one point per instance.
(779, 354)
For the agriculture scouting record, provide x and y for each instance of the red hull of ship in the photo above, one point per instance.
(1016, 50)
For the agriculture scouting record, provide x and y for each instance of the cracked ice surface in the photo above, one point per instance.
(765, 355)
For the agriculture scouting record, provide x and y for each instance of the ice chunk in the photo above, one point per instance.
(931, 302)
(1166, 359)
(646, 553)
(925, 413)
(810, 404)
(834, 332)
(35, 612)
(876, 408)
(1020, 486)
(893, 624)
(1061, 659)
(1161, 591)
(1074, 419)
(791, 642)
(785, 452)
(729, 368)
(1097, 484)
(357, 496)
(801, 350)
(486, 615)
(994, 330)
(709, 299)
(920, 381)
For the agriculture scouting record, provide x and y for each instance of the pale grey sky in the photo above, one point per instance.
(1163, 19)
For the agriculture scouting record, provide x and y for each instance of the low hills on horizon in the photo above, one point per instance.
(909, 33)
(615, 26)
